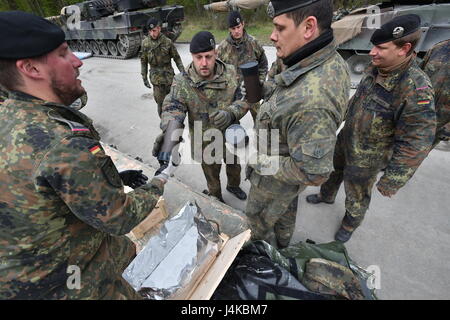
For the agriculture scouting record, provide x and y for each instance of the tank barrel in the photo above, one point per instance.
(224, 6)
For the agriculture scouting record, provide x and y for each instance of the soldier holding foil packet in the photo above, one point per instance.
(62, 200)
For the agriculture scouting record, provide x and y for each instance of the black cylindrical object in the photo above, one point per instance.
(251, 81)
(170, 140)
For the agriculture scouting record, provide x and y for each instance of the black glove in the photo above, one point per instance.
(157, 144)
(221, 119)
(133, 178)
(146, 83)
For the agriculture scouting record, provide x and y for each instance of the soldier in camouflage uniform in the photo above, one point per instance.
(390, 123)
(306, 107)
(240, 48)
(63, 210)
(207, 94)
(436, 66)
(158, 51)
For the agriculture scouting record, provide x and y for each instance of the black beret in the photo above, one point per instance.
(234, 18)
(152, 23)
(25, 35)
(277, 7)
(396, 28)
(203, 41)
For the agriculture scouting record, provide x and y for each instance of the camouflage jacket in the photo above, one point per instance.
(245, 50)
(198, 98)
(306, 107)
(159, 54)
(391, 123)
(436, 66)
(277, 67)
(62, 204)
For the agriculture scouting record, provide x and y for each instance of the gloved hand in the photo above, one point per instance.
(133, 178)
(157, 144)
(146, 83)
(221, 119)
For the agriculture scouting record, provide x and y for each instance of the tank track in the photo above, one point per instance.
(134, 43)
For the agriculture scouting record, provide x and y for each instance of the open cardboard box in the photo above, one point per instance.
(207, 276)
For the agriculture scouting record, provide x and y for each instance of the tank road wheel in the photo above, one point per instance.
(357, 64)
(72, 46)
(87, 46)
(80, 45)
(123, 45)
(103, 47)
(112, 48)
(94, 47)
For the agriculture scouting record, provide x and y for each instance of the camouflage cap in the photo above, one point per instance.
(277, 7)
(25, 35)
(234, 19)
(396, 28)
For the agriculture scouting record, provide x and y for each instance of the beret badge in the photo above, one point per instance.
(270, 10)
(398, 32)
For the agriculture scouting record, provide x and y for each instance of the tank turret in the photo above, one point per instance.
(115, 28)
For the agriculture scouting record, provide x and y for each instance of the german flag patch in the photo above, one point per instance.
(422, 102)
(94, 149)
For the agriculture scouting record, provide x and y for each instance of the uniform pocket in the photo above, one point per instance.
(379, 125)
(316, 156)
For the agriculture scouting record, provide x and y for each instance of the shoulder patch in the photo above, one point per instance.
(94, 149)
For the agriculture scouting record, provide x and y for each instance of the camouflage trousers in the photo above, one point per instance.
(358, 184)
(212, 175)
(271, 217)
(159, 93)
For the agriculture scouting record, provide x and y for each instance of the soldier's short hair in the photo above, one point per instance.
(322, 10)
(412, 38)
(10, 77)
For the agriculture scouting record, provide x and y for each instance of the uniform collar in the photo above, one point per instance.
(22, 96)
(288, 76)
(198, 81)
(158, 40)
(34, 102)
(238, 43)
(392, 80)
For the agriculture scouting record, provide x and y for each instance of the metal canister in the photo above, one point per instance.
(251, 81)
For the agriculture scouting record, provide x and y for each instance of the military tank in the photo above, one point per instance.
(354, 30)
(115, 28)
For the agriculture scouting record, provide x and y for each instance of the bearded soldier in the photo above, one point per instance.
(62, 207)
(207, 93)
